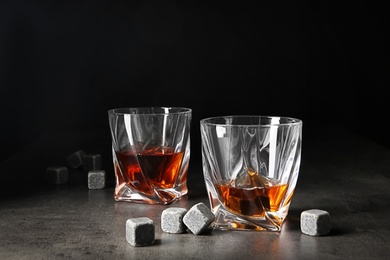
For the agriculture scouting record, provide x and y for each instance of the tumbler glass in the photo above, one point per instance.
(250, 166)
(151, 153)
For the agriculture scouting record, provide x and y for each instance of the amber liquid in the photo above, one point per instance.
(150, 169)
(252, 201)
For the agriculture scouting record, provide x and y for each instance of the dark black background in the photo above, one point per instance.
(63, 64)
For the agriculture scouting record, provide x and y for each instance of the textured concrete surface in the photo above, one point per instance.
(341, 173)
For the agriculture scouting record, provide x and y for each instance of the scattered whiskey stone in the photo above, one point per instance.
(140, 231)
(96, 179)
(315, 222)
(75, 159)
(57, 174)
(172, 220)
(198, 218)
(92, 162)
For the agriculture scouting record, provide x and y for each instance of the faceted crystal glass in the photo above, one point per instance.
(151, 153)
(250, 166)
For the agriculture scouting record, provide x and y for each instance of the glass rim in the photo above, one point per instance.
(134, 110)
(289, 121)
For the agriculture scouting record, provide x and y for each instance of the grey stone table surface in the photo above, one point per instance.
(341, 172)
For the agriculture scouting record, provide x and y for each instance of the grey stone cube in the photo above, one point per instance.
(172, 220)
(315, 222)
(75, 159)
(96, 179)
(198, 218)
(92, 162)
(57, 174)
(140, 231)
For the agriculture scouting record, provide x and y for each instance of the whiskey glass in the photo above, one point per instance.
(151, 153)
(250, 167)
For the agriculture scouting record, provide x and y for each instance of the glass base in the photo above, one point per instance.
(225, 220)
(161, 196)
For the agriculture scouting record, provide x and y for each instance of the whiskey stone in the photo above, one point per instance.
(140, 231)
(57, 174)
(75, 159)
(198, 218)
(92, 162)
(172, 220)
(315, 222)
(96, 179)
